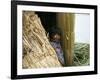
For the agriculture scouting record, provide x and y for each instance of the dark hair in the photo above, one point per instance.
(53, 31)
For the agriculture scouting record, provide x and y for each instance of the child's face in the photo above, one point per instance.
(56, 37)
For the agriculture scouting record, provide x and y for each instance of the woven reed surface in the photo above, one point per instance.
(37, 51)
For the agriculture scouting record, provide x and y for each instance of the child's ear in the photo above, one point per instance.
(47, 35)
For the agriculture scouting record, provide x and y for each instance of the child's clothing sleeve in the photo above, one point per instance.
(59, 51)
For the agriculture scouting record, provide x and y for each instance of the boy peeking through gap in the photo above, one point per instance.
(55, 40)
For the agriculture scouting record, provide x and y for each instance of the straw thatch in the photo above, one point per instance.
(37, 51)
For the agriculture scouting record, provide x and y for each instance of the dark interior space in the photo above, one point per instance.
(48, 19)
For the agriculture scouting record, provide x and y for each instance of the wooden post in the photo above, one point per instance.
(65, 22)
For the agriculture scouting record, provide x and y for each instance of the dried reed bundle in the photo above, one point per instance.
(37, 51)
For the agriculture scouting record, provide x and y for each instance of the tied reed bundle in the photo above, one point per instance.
(37, 51)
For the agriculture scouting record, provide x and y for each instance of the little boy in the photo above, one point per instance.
(55, 40)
